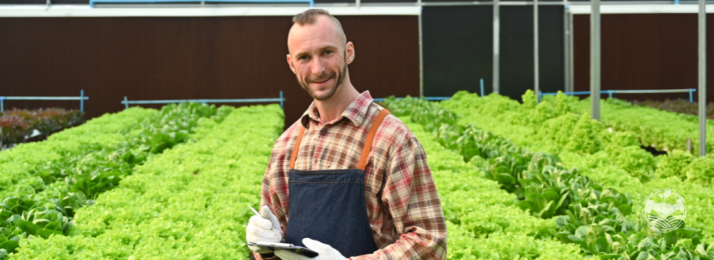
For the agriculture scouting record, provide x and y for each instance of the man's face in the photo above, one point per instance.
(318, 57)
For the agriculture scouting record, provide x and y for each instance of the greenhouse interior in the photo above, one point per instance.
(434, 129)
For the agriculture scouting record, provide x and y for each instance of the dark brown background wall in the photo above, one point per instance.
(189, 58)
(644, 51)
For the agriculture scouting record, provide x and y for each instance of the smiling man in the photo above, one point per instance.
(347, 179)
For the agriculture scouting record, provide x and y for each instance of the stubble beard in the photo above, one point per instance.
(340, 78)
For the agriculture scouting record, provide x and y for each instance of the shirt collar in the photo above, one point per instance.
(355, 112)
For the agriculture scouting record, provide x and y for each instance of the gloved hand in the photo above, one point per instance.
(325, 251)
(259, 230)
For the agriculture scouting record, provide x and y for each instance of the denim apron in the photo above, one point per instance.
(329, 205)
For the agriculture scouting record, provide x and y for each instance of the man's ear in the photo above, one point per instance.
(350, 52)
(290, 63)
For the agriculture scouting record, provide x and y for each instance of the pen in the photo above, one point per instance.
(258, 214)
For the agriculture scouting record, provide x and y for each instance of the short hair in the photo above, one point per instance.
(309, 16)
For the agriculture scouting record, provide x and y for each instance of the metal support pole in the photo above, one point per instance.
(281, 99)
(126, 103)
(357, 3)
(566, 45)
(421, 53)
(691, 99)
(535, 49)
(81, 101)
(702, 78)
(2, 104)
(571, 49)
(481, 87)
(595, 59)
(496, 36)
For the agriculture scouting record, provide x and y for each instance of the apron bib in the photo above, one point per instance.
(329, 205)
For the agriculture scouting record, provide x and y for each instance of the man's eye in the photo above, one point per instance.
(328, 52)
(302, 57)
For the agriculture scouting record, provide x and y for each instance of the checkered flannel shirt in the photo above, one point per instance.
(403, 206)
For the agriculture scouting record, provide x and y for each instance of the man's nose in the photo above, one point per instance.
(317, 67)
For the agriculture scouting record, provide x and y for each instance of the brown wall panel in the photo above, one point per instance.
(148, 58)
(644, 51)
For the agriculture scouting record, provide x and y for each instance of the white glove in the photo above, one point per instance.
(325, 251)
(259, 230)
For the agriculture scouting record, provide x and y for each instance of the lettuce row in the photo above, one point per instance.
(663, 130)
(550, 126)
(77, 178)
(16, 164)
(483, 221)
(594, 215)
(190, 202)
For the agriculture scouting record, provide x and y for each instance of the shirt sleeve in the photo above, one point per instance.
(266, 194)
(265, 200)
(411, 198)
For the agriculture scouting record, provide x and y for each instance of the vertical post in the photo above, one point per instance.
(691, 99)
(571, 49)
(281, 99)
(421, 53)
(81, 100)
(609, 93)
(566, 46)
(496, 36)
(357, 3)
(2, 104)
(702, 78)
(126, 103)
(481, 87)
(595, 59)
(535, 49)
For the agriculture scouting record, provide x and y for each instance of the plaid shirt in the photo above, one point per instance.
(403, 206)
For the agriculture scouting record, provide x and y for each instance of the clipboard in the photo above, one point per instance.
(283, 246)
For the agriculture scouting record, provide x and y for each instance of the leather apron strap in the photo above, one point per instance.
(365, 150)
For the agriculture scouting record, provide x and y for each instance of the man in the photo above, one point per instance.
(347, 179)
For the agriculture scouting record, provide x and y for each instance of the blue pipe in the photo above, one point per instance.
(81, 99)
(481, 87)
(566, 93)
(436, 98)
(253, 100)
(126, 102)
(610, 92)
